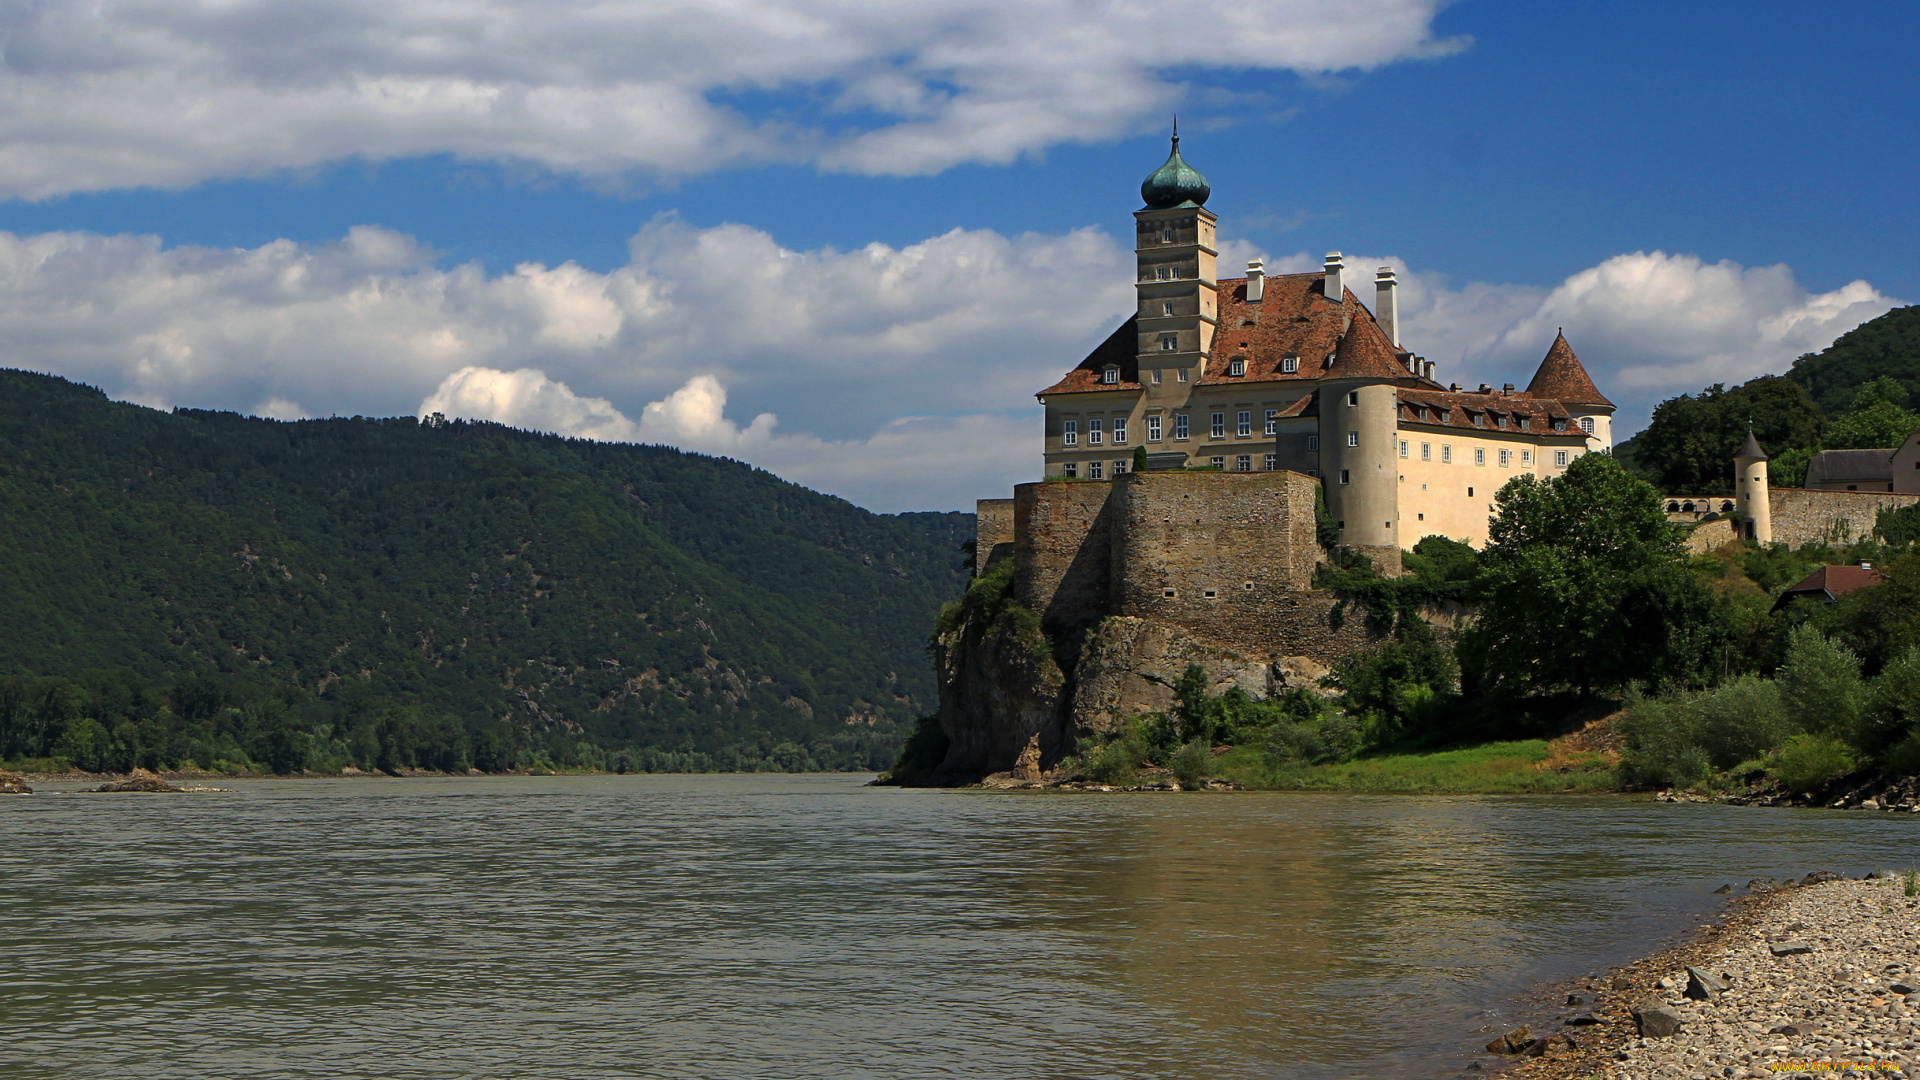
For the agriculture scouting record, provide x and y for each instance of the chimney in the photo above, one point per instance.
(1506, 390)
(1386, 311)
(1455, 388)
(1485, 388)
(1335, 288)
(1256, 281)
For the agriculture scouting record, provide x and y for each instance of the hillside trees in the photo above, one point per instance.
(1886, 347)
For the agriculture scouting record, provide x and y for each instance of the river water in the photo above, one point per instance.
(807, 926)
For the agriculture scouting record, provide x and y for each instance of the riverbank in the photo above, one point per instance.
(1800, 978)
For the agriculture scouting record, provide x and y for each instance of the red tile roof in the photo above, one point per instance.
(1292, 318)
(1836, 581)
(1563, 378)
(1483, 411)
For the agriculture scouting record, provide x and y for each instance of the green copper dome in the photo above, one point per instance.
(1174, 183)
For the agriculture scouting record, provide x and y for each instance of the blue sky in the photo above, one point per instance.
(330, 220)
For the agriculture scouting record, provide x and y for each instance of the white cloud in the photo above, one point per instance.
(899, 377)
(121, 93)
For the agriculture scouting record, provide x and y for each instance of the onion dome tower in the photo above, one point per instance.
(1175, 277)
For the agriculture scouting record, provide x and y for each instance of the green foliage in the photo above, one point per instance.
(1587, 589)
(1190, 764)
(1805, 762)
(1491, 768)
(922, 753)
(1399, 687)
(1438, 571)
(1892, 708)
(1140, 458)
(1688, 446)
(1820, 684)
(1676, 741)
(682, 608)
(1877, 417)
(1325, 528)
(1886, 347)
(1898, 526)
(1880, 623)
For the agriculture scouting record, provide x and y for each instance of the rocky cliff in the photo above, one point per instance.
(1016, 699)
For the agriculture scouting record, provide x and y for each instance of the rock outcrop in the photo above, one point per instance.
(13, 785)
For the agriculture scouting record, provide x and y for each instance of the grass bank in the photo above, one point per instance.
(1527, 766)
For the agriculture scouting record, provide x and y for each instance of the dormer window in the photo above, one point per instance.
(1237, 366)
(1289, 364)
(1501, 421)
(1111, 375)
(1526, 423)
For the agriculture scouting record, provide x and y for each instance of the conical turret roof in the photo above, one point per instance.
(1751, 448)
(1563, 378)
(1174, 183)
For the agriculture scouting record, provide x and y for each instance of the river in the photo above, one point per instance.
(807, 926)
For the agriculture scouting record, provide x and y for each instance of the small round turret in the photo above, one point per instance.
(1174, 183)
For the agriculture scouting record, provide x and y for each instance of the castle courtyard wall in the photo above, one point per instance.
(1062, 550)
(992, 532)
(1806, 516)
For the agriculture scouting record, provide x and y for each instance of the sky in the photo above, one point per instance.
(848, 240)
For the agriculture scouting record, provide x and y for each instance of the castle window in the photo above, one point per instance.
(1153, 429)
(1313, 473)
(1426, 451)
(1243, 463)
(1273, 423)
(1209, 594)
(1161, 273)
(1119, 431)
(1506, 459)
(1289, 364)
(1167, 308)
(1119, 469)
(1180, 425)
(1500, 421)
(1526, 457)
(1183, 374)
(1243, 424)
(1559, 457)
(1403, 448)
(1313, 444)
(1070, 470)
(1479, 455)
(1111, 375)
(1217, 462)
(1093, 432)
(1346, 476)
(1479, 419)
(1526, 423)
(1353, 398)
(1157, 373)
(1070, 433)
(1169, 342)
(1446, 416)
(1237, 366)
(1446, 453)
(1586, 424)
(1094, 470)
(1166, 592)
(1219, 429)
(1726, 507)
(1469, 493)
(1353, 438)
(1270, 462)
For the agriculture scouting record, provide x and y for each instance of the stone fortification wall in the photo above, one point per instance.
(1804, 516)
(992, 532)
(1221, 554)
(1061, 551)
(1710, 535)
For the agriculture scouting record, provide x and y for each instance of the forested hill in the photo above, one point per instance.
(519, 587)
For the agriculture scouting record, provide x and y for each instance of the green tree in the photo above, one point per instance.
(1888, 347)
(1820, 684)
(1877, 417)
(1587, 589)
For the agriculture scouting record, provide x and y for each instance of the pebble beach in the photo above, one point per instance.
(1801, 978)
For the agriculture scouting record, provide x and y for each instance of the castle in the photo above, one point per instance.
(1249, 401)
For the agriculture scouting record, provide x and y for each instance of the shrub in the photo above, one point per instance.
(1190, 764)
(1740, 721)
(1820, 684)
(1118, 759)
(1893, 703)
(923, 752)
(1289, 744)
(1805, 762)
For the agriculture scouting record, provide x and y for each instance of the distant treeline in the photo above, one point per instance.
(104, 721)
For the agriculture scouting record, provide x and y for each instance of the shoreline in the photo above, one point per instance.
(1784, 1010)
